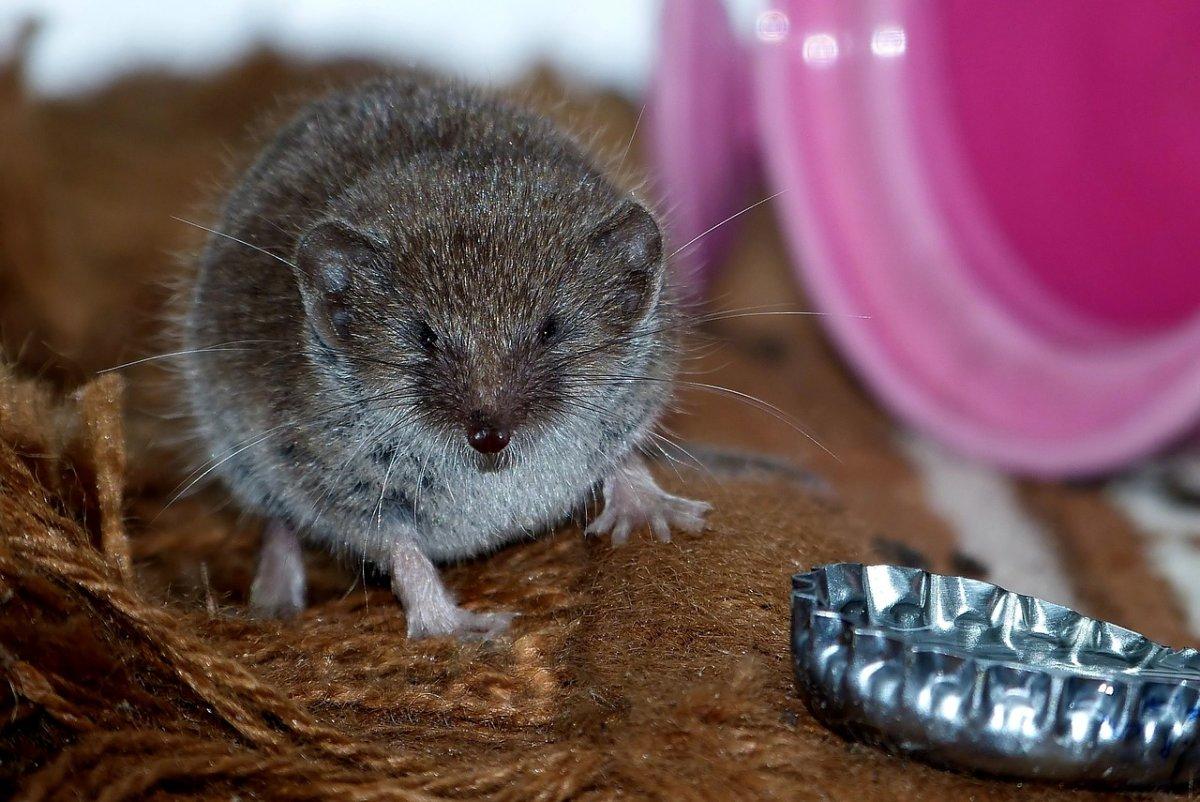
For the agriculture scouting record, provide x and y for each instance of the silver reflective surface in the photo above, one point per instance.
(967, 675)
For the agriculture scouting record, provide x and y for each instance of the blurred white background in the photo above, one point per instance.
(86, 43)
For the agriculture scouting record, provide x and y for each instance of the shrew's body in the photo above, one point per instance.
(429, 325)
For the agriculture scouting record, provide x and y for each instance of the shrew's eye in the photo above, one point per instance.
(549, 329)
(426, 336)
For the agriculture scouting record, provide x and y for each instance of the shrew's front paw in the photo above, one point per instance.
(429, 607)
(632, 500)
(462, 624)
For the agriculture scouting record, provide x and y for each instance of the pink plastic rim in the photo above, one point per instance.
(888, 216)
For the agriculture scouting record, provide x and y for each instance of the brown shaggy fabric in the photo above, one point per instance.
(129, 670)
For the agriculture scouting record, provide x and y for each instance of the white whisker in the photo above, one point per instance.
(251, 245)
(728, 219)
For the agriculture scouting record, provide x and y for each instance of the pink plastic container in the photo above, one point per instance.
(1011, 192)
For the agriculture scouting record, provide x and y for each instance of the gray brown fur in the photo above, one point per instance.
(454, 211)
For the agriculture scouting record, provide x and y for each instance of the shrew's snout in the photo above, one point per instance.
(486, 434)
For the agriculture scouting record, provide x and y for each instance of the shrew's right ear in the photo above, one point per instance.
(327, 258)
(629, 241)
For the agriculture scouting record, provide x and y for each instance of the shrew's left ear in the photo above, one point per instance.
(630, 241)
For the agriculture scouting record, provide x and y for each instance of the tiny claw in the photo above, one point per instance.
(661, 529)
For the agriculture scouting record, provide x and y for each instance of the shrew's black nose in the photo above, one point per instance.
(486, 437)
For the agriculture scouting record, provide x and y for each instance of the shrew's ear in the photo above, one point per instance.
(327, 258)
(630, 242)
